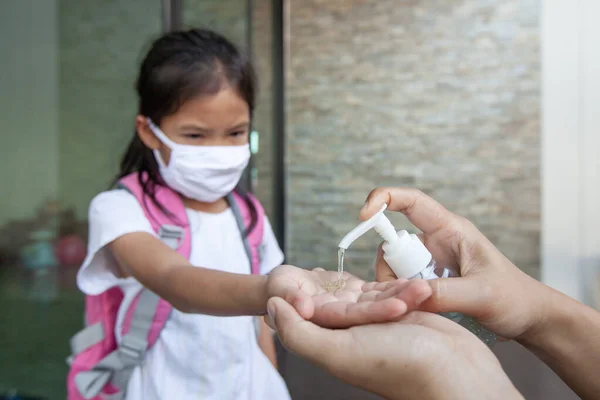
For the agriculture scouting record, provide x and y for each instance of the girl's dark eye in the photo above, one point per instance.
(194, 136)
(238, 133)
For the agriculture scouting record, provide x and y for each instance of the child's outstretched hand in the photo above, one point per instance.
(345, 307)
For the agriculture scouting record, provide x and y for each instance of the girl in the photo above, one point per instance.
(196, 96)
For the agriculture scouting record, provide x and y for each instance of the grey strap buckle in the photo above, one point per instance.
(171, 235)
(132, 350)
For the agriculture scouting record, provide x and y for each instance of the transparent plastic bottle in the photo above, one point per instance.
(433, 271)
(408, 257)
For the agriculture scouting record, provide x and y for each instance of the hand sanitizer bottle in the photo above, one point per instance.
(408, 257)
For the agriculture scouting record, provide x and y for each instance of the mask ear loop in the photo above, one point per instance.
(161, 135)
(164, 139)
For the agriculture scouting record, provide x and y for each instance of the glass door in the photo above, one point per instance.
(67, 106)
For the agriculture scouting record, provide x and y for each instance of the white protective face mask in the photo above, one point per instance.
(203, 173)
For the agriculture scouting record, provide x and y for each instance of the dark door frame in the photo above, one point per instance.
(279, 123)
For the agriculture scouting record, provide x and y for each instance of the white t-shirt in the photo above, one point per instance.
(196, 356)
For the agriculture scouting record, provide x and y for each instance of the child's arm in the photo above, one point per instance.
(266, 341)
(186, 287)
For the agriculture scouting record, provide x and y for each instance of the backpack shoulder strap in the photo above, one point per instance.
(168, 218)
(252, 240)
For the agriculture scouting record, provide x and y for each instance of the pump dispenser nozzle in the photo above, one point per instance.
(404, 253)
(379, 221)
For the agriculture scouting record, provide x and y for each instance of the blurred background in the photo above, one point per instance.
(489, 106)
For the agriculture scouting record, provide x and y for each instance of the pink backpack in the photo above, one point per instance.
(99, 367)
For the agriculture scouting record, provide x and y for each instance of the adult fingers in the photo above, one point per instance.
(422, 211)
(301, 336)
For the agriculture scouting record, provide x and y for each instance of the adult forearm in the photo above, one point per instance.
(568, 341)
(476, 383)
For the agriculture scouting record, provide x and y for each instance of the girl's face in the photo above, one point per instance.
(222, 119)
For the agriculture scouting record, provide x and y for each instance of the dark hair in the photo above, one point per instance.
(178, 67)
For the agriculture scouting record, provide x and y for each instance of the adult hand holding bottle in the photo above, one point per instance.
(561, 331)
(421, 355)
